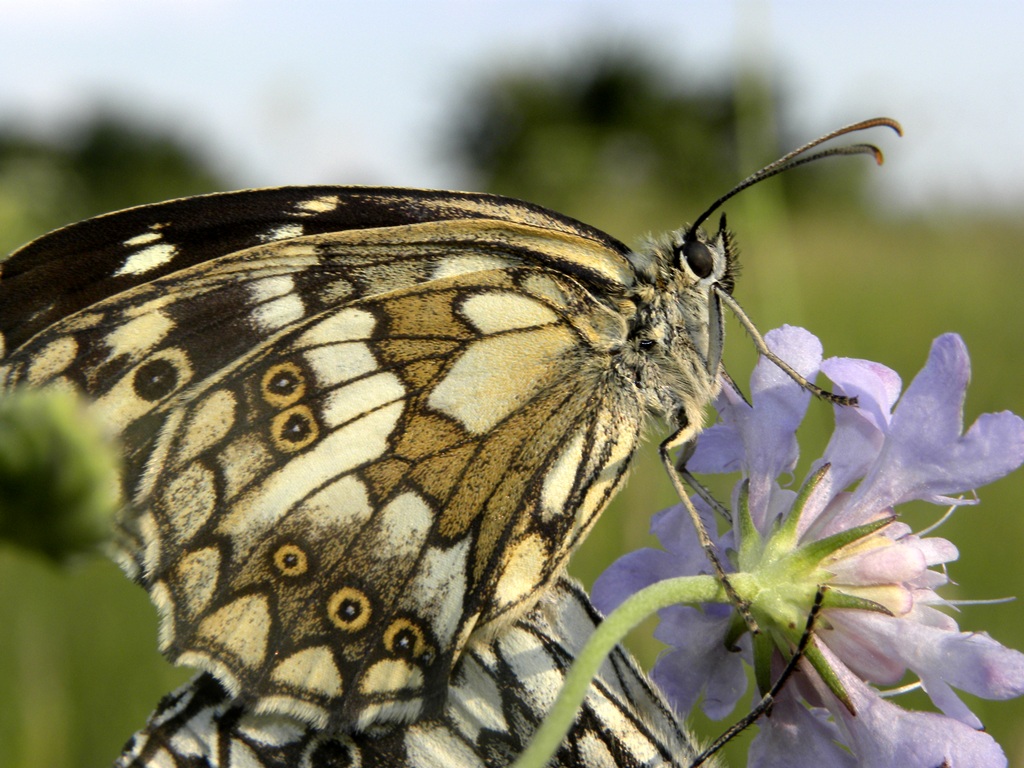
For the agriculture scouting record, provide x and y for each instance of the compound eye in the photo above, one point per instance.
(699, 258)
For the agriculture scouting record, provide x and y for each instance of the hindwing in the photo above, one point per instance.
(347, 451)
(499, 692)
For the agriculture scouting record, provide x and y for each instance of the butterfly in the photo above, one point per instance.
(363, 426)
(498, 693)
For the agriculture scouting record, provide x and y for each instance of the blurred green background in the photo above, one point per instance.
(618, 136)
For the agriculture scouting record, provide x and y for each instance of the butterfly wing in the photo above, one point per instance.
(498, 694)
(346, 452)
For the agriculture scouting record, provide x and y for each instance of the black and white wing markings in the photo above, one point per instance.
(325, 521)
(81, 264)
(388, 406)
(499, 691)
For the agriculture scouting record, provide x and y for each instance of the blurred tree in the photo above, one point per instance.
(609, 122)
(107, 163)
(614, 131)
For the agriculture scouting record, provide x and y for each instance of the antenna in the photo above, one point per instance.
(794, 159)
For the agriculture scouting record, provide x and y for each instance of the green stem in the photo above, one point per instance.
(552, 731)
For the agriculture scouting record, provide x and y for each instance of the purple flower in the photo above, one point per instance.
(881, 614)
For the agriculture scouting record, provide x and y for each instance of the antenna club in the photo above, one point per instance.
(879, 121)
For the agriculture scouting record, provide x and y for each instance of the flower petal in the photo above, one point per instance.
(796, 736)
(674, 529)
(720, 446)
(944, 697)
(882, 733)
(876, 386)
(853, 640)
(699, 660)
(892, 564)
(924, 455)
(969, 661)
(762, 437)
(682, 556)
(779, 404)
(860, 432)
(631, 573)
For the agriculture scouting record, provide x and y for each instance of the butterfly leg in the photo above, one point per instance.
(699, 488)
(683, 439)
(764, 351)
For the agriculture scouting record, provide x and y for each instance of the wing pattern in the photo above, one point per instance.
(346, 450)
(499, 692)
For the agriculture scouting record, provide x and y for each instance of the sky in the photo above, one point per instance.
(313, 91)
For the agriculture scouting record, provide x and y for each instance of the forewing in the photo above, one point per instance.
(345, 452)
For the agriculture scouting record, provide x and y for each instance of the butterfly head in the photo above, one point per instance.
(679, 326)
(677, 332)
